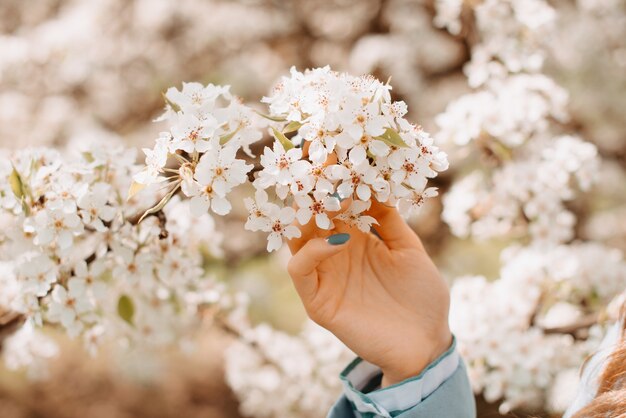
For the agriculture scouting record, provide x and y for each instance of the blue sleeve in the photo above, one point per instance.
(452, 399)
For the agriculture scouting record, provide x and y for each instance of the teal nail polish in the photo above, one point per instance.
(337, 196)
(338, 239)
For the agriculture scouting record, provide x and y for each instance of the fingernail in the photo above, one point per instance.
(337, 196)
(338, 239)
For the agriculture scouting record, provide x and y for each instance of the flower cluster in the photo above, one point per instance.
(347, 140)
(299, 373)
(512, 120)
(208, 126)
(512, 343)
(509, 32)
(509, 110)
(523, 333)
(525, 195)
(29, 349)
(73, 254)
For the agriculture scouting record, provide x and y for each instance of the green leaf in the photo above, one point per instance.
(17, 185)
(161, 203)
(393, 138)
(88, 157)
(284, 141)
(227, 137)
(173, 105)
(272, 118)
(126, 308)
(292, 127)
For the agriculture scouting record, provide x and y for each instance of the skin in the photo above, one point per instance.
(382, 297)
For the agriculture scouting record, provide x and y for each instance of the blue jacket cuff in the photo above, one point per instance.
(393, 400)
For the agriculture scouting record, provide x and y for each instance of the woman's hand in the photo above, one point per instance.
(383, 297)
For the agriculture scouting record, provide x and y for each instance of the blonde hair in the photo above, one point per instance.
(610, 401)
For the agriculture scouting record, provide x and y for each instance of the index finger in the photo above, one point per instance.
(392, 228)
(307, 233)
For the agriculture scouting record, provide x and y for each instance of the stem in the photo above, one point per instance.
(9, 323)
(583, 323)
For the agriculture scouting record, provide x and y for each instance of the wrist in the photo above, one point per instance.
(419, 360)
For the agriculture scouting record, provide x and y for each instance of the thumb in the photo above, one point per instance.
(303, 265)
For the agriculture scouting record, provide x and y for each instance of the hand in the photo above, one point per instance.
(383, 297)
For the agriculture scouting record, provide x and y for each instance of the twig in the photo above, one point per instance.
(9, 322)
(583, 323)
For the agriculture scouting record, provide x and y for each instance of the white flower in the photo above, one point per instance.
(94, 208)
(156, 159)
(321, 176)
(89, 276)
(29, 348)
(316, 206)
(322, 141)
(357, 179)
(279, 224)
(205, 198)
(38, 272)
(312, 357)
(360, 125)
(62, 192)
(394, 111)
(411, 167)
(258, 208)
(280, 167)
(54, 225)
(221, 170)
(193, 134)
(353, 216)
(412, 203)
(132, 267)
(242, 123)
(69, 305)
(197, 98)
(93, 338)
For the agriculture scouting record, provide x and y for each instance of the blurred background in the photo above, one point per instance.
(79, 68)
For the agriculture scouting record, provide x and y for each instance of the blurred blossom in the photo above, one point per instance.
(526, 97)
(29, 349)
(299, 373)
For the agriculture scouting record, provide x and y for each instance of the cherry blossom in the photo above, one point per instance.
(317, 207)
(414, 201)
(69, 305)
(38, 272)
(221, 171)
(514, 117)
(94, 208)
(156, 159)
(336, 136)
(194, 97)
(88, 276)
(279, 225)
(55, 225)
(281, 167)
(357, 180)
(354, 216)
(192, 134)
